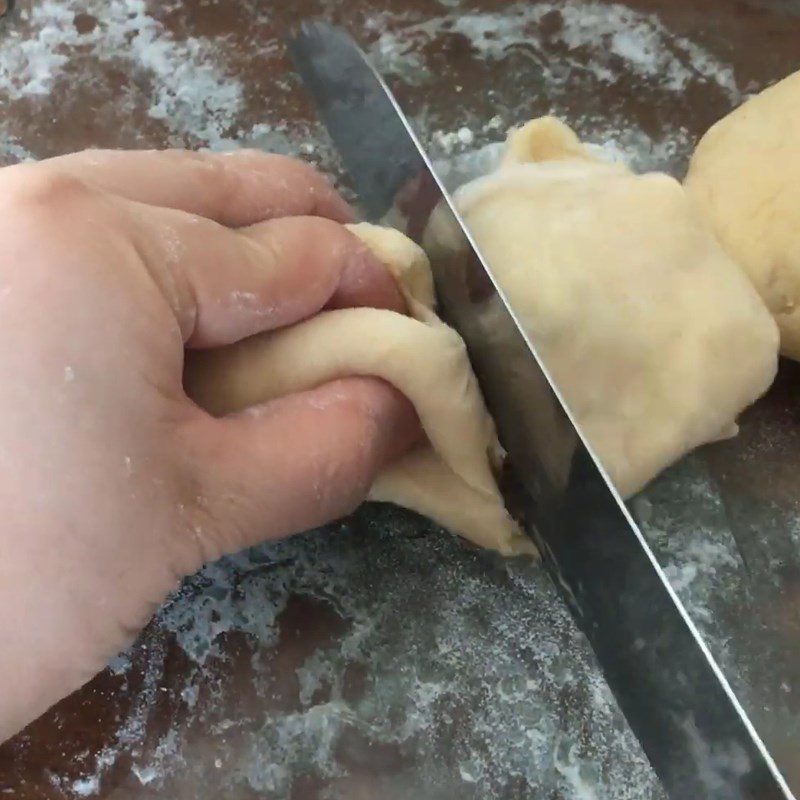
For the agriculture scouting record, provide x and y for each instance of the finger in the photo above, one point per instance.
(226, 285)
(235, 189)
(296, 462)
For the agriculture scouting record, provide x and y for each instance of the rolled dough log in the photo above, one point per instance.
(654, 336)
(451, 478)
(745, 178)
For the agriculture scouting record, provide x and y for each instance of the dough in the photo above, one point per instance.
(450, 479)
(653, 335)
(745, 178)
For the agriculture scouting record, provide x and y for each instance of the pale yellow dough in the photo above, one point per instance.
(745, 178)
(451, 479)
(654, 336)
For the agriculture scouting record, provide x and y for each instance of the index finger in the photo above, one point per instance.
(236, 189)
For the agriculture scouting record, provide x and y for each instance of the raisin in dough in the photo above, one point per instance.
(653, 335)
(745, 178)
(450, 479)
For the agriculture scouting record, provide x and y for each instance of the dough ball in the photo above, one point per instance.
(654, 336)
(745, 178)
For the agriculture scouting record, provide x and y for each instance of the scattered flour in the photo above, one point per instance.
(605, 42)
(190, 91)
(28, 65)
(12, 150)
(610, 31)
(433, 697)
(684, 519)
(86, 787)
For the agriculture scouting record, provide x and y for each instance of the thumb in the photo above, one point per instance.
(294, 463)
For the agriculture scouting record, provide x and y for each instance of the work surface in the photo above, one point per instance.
(379, 657)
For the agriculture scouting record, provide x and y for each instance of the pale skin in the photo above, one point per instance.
(114, 485)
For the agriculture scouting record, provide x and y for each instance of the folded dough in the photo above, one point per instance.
(450, 479)
(745, 178)
(653, 335)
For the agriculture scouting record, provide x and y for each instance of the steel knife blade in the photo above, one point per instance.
(672, 692)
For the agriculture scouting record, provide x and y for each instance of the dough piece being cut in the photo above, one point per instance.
(653, 335)
(745, 178)
(450, 479)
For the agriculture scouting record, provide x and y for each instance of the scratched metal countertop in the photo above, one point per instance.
(379, 657)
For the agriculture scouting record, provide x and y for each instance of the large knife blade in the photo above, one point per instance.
(674, 695)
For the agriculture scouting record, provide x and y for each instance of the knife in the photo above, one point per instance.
(695, 733)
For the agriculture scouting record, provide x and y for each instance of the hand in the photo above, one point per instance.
(114, 485)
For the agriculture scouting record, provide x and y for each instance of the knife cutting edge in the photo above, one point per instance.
(672, 692)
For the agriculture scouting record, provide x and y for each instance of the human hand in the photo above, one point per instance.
(114, 485)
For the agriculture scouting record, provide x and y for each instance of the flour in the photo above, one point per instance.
(86, 787)
(645, 46)
(415, 675)
(561, 42)
(28, 65)
(190, 93)
(11, 151)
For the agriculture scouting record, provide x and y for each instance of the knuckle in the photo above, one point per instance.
(46, 190)
(319, 185)
(203, 166)
(347, 467)
(182, 156)
(309, 242)
(229, 183)
(97, 155)
(307, 177)
(321, 233)
(268, 248)
(304, 170)
(363, 426)
(282, 161)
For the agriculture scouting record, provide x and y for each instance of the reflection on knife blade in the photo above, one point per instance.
(677, 701)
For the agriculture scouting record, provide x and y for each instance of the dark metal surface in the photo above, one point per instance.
(681, 707)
